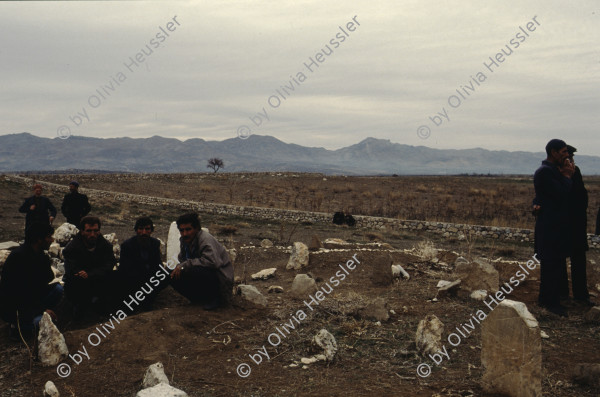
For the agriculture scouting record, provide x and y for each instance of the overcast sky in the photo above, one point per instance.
(224, 62)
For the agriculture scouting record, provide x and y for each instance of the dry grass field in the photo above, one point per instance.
(481, 200)
(201, 350)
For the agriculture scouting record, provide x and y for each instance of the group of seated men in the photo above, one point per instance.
(203, 275)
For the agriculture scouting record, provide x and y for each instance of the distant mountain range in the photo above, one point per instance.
(26, 152)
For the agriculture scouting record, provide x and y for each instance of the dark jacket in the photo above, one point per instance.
(553, 226)
(43, 206)
(138, 262)
(578, 211)
(74, 207)
(206, 251)
(97, 264)
(24, 282)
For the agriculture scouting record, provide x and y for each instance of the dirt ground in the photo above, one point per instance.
(202, 350)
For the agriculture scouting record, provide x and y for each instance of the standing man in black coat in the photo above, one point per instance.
(553, 228)
(38, 208)
(25, 292)
(140, 263)
(75, 205)
(89, 262)
(578, 213)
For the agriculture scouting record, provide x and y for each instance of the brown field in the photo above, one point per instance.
(373, 359)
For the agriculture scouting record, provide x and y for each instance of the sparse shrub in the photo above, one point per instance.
(373, 236)
(226, 229)
(426, 250)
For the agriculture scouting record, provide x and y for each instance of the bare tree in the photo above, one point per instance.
(215, 164)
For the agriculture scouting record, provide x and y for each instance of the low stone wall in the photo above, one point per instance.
(459, 231)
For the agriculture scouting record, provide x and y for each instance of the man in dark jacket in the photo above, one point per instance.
(89, 262)
(553, 186)
(38, 208)
(140, 263)
(75, 205)
(578, 213)
(205, 272)
(25, 292)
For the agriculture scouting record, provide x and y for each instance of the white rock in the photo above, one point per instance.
(443, 283)
(311, 360)
(479, 294)
(398, 271)
(163, 247)
(65, 233)
(251, 294)
(112, 238)
(299, 257)
(55, 250)
(266, 243)
(303, 285)
(429, 335)
(336, 241)
(8, 245)
(326, 341)
(52, 348)
(155, 374)
(161, 390)
(544, 335)
(50, 390)
(3, 255)
(264, 274)
(275, 289)
(232, 255)
(173, 244)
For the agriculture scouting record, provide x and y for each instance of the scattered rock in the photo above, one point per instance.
(111, 238)
(398, 271)
(266, 243)
(299, 257)
(335, 243)
(593, 315)
(275, 289)
(479, 295)
(50, 390)
(173, 244)
(303, 285)
(326, 341)
(64, 233)
(376, 311)
(315, 244)
(251, 294)
(55, 250)
(443, 283)
(8, 245)
(460, 260)
(3, 255)
(232, 255)
(448, 289)
(161, 390)
(52, 348)
(544, 335)
(264, 274)
(429, 335)
(511, 351)
(155, 374)
(476, 275)
(237, 280)
(588, 374)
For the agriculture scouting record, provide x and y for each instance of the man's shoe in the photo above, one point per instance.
(559, 310)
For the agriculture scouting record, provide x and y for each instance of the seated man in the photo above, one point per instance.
(205, 272)
(140, 263)
(89, 262)
(25, 292)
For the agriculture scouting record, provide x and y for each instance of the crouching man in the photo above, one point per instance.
(89, 261)
(205, 273)
(25, 292)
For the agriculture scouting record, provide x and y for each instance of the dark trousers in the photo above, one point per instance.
(551, 279)
(30, 319)
(199, 284)
(81, 291)
(578, 277)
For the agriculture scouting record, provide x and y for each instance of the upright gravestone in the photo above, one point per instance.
(511, 351)
(173, 243)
